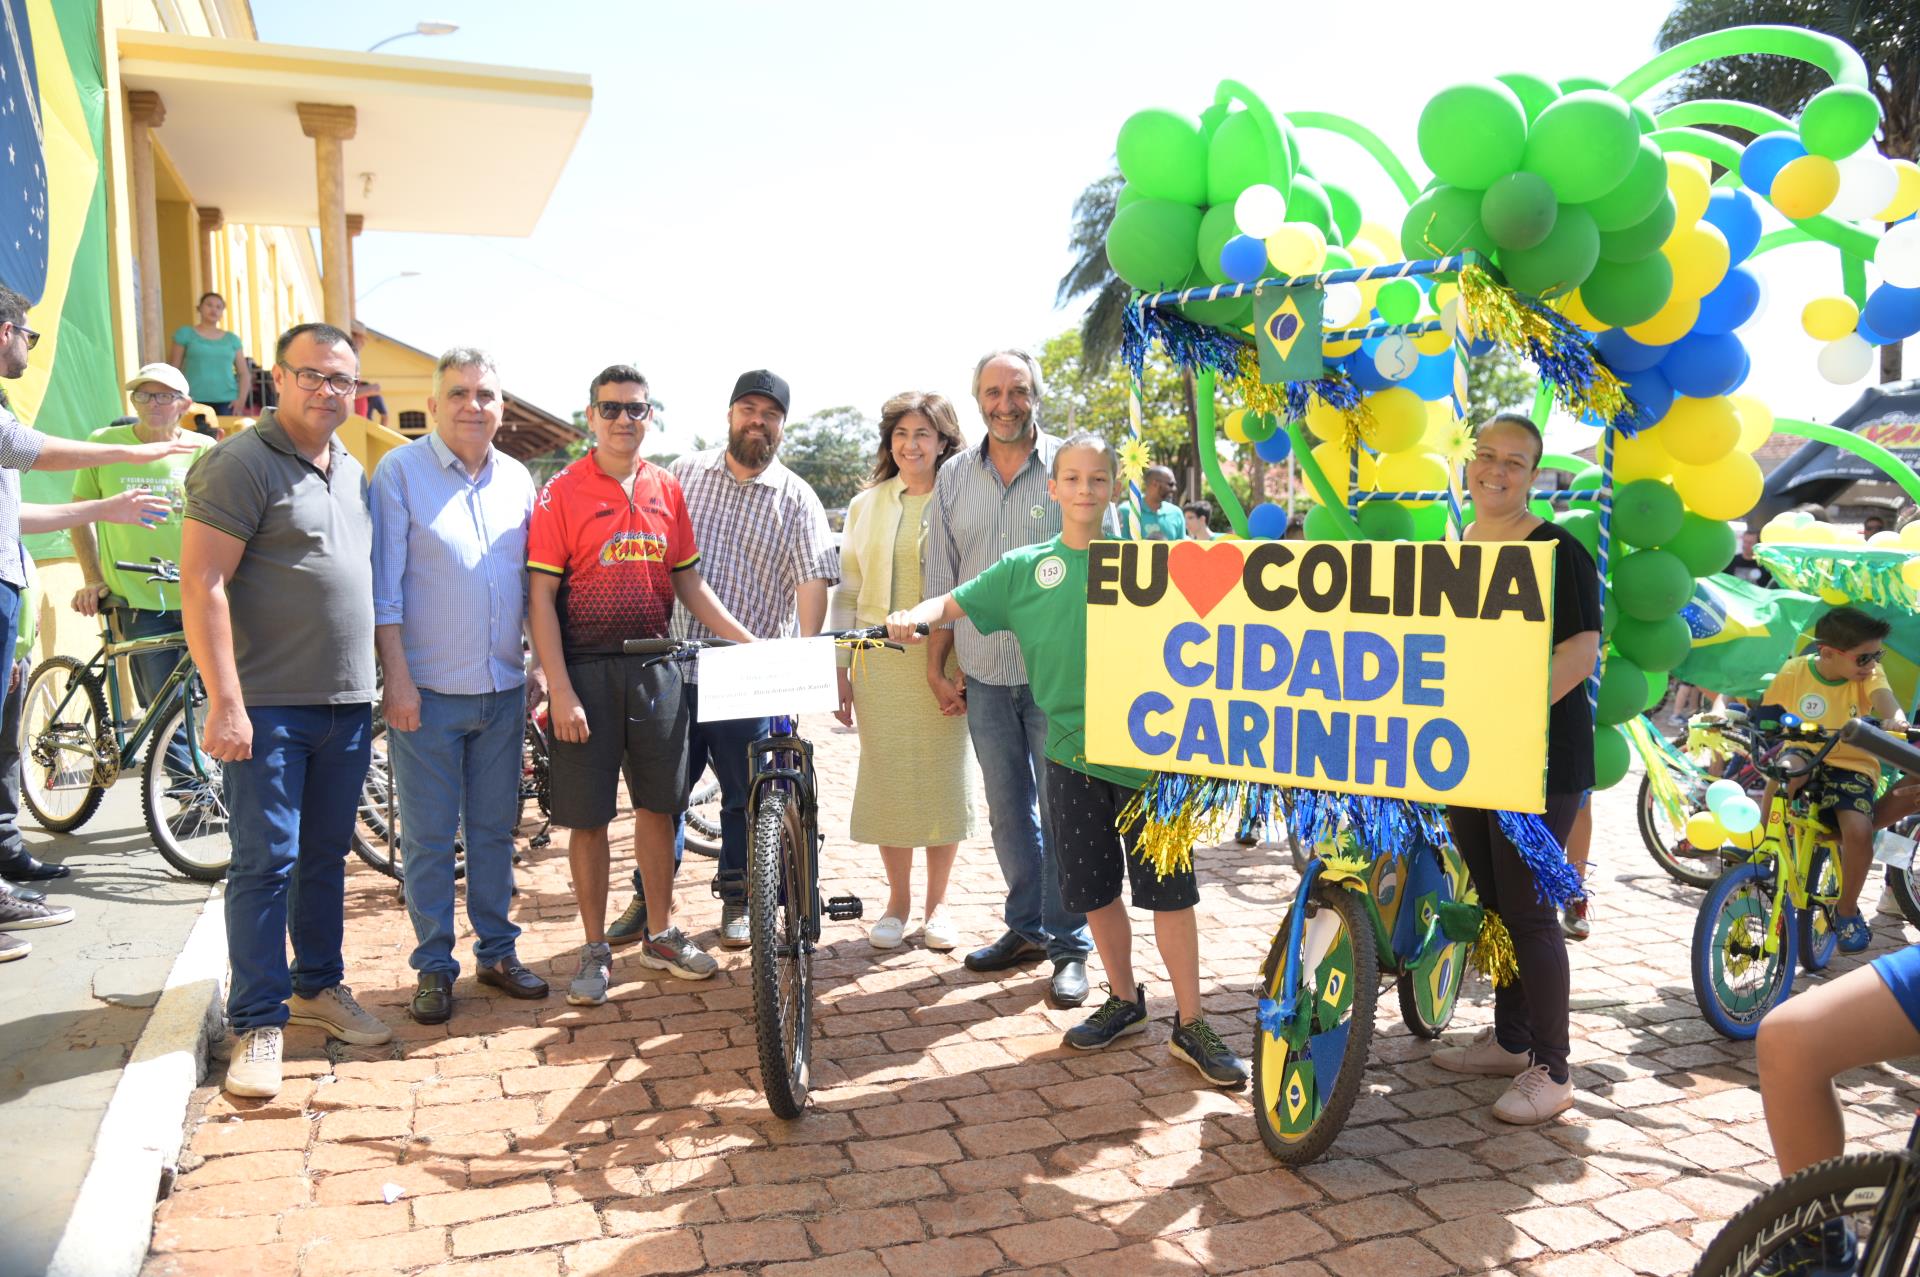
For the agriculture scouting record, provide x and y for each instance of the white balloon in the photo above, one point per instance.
(1868, 183)
(1846, 360)
(1450, 317)
(1396, 357)
(1760, 306)
(1898, 256)
(1261, 210)
(1341, 305)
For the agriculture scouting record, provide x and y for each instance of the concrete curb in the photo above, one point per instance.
(138, 1146)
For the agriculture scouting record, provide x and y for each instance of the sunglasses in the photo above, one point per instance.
(610, 410)
(33, 338)
(1866, 660)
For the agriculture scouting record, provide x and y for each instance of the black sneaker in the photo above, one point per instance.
(1197, 1044)
(631, 925)
(18, 915)
(1115, 1017)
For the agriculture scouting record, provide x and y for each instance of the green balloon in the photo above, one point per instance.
(1609, 616)
(1398, 301)
(1637, 193)
(1259, 426)
(1580, 84)
(1535, 94)
(1652, 645)
(1518, 210)
(1839, 120)
(1151, 244)
(1652, 585)
(1644, 237)
(1308, 202)
(1429, 523)
(1647, 512)
(1385, 521)
(1644, 120)
(1339, 258)
(1237, 159)
(1125, 196)
(1559, 263)
(1164, 154)
(1657, 681)
(1230, 314)
(1540, 509)
(1623, 690)
(1584, 145)
(1216, 228)
(1585, 526)
(1470, 134)
(1705, 545)
(1592, 479)
(1346, 211)
(1611, 754)
(1626, 293)
(1322, 525)
(1445, 220)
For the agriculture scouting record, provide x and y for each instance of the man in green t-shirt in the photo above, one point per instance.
(160, 399)
(1164, 519)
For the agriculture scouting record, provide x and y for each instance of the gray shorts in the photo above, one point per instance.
(637, 720)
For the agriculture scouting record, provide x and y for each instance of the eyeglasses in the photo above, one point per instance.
(610, 409)
(339, 383)
(33, 338)
(159, 398)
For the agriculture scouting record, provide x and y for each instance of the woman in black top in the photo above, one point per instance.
(1528, 1041)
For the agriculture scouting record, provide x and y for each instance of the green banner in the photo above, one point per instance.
(1286, 327)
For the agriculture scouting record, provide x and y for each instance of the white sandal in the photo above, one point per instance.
(938, 932)
(888, 932)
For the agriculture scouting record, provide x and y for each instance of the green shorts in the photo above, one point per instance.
(1833, 789)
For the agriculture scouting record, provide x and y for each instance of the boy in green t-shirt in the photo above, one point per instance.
(1039, 592)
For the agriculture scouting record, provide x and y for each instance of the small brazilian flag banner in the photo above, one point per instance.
(1286, 328)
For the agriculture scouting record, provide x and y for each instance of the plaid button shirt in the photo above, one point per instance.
(759, 542)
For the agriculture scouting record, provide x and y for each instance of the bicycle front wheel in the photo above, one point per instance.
(186, 813)
(62, 713)
(1736, 979)
(777, 900)
(1668, 844)
(1781, 1231)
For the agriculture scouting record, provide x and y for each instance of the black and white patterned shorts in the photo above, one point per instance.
(1093, 856)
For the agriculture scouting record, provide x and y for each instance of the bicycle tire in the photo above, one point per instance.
(197, 838)
(1728, 936)
(1694, 868)
(702, 836)
(1900, 876)
(376, 824)
(1817, 939)
(1852, 1184)
(50, 749)
(782, 960)
(1298, 1117)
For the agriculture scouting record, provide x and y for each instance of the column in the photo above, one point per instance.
(330, 127)
(356, 222)
(145, 112)
(211, 221)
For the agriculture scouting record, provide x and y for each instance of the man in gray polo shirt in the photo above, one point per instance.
(276, 585)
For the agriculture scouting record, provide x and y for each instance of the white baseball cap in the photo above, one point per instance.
(166, 374)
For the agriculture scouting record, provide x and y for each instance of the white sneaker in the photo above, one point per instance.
(888, 932)
(254, 1070)
(1482, 1055)
(1533, 1098)
(938, 932)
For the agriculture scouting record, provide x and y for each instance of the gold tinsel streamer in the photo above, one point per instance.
(1493, 311)
(1492, 953)
(1168, 845)
(1257, 395)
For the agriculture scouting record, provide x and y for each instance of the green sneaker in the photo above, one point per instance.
(1197, 1044)
(1115, 1017)
(631, 925)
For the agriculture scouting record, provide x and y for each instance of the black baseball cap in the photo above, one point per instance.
(761, 382)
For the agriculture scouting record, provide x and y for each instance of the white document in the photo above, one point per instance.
(760, 680)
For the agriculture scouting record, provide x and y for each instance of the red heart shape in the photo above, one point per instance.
(1205, 573)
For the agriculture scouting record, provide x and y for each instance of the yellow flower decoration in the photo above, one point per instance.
(1456, 445)
(1134, 460)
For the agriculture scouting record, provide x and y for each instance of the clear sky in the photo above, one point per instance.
(866, 196)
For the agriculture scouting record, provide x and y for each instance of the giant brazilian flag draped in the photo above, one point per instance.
(55, 251)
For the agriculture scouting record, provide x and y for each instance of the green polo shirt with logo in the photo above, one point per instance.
(135, 542)
(1039, 592)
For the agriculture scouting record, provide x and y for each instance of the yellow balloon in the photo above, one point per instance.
(1442, 294)
(1910, 535)
(1324, 421)
(1749, 841)
(1885, 539)
(1805, 186)
(1573, 308)
(1910, 572)
(1906, 198)
(1336, 463)
(1810, 533)
(1829, 318)
(1706, 832)
(1337, 349)
(1399, 419)
(1297, 248)
(1411, 472)
(1369, 255)
(1675, 320)
(1691, 181)
(1698, 432)
(1379, 238)
(1699, 257)
(1756, 421)
(1727, 489)
(1236, 425)
(1640, 457)
(1433, 343)
(1830, 595)
(1775, 533)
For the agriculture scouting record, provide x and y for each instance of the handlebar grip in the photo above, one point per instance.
(1888, 748)
(669, 646)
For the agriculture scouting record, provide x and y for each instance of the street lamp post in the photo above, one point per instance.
(419, 28)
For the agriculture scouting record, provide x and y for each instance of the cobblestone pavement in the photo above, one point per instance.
(952, 1132)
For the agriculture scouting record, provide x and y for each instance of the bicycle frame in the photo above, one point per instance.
(105, 666)
(782, 759)
(1791, 838)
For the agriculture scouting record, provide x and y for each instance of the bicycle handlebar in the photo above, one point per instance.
(671, 648)
(158, 569)
(1888, 748)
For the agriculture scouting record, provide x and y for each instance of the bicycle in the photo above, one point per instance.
(1352, 924)
(1777, 905)
(784, 908)
(76, 741)
(1675, 786)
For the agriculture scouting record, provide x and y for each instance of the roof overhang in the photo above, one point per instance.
(425, 129)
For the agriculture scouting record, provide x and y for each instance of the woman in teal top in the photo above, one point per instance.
(212, 358)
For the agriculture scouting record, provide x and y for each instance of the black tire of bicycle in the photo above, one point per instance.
(153, 786)
(1677, 868)
(97, 706)
(702, 837)
(786, 1050)
(1803, 1200)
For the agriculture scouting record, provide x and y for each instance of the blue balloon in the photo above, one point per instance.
(1746, 367)
(1730, 304)
(1703, 365)
(1869, 336)
(1624, 355)
(1894, 313)
(1765, 156)
(1268, 522)
(1650, 389)
(1243, 259)
(1432, 377)
(1738, 216)
(1275, 448)
(1480, 348)
(1365, 374)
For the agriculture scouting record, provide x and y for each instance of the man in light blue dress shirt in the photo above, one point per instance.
(450, 519)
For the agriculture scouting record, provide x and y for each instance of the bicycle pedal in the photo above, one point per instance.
(844, 908)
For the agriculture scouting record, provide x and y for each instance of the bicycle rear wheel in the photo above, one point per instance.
(187, 815)
(62, 712)
(703, 818)
(1668, 844)
(1817, 937)
(1778, 1232)
(376, 826)
(777, 899)
(1735, 980)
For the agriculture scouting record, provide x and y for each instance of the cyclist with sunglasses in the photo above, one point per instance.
(1838, 679)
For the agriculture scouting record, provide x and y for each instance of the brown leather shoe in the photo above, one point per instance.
(512, 978)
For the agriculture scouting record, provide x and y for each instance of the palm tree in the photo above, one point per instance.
(1886, 33)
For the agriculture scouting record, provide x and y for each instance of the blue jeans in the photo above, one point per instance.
(1009, 734)
(460, 771)
(291, 810)
(150, 671)
(723, 746)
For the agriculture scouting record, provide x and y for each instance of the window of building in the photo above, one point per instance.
(413, 423)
